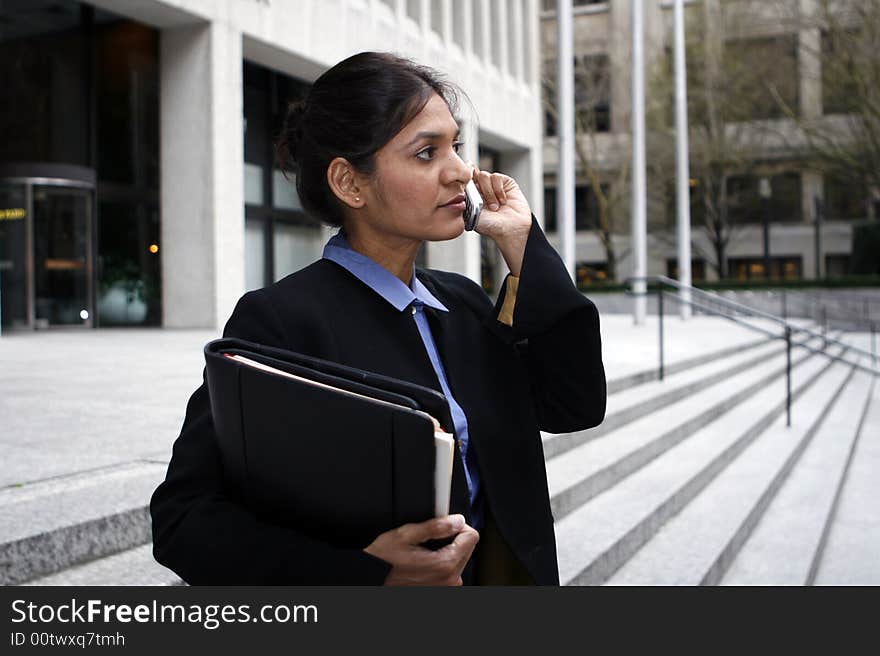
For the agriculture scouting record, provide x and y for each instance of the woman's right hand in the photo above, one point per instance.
(412, 564)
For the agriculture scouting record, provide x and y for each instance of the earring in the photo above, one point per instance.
(357, 198)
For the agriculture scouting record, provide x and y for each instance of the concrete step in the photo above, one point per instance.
(638, 401)
(581, 473)
(595, 540)
(131, 567)
(850, 556)
(670, 368)
(696, 546)
(787, 541)
(50, 525)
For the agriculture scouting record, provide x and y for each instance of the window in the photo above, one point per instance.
(592, 93)
(591, 273)
(837, 266)
(279, 237)
(744, 204)
(840, 92)
(586, 208)
(698, 269)
(844, 199)
(752, 268)
(698, 204)
(293, 247)
(254, 254)
(754, 71)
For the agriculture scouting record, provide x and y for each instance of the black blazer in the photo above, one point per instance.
(543, 373)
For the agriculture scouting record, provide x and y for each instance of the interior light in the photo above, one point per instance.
(84, 314)
(154, 248)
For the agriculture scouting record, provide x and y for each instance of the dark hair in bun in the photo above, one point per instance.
(351, 111)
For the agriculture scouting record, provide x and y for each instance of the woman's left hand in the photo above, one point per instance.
(506, 217)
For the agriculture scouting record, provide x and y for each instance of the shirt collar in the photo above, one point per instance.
(377, 277)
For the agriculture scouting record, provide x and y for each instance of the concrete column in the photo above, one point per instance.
(531, 44)
(809, 65)
(468, 25)
(502, 16)
(483, 40)
(516, 49)
(447, 22)
(202, 174)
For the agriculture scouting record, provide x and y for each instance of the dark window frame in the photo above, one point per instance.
(279, 89)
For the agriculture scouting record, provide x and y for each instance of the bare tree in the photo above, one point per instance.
(844, 140)
(732, 84)
(607, 183)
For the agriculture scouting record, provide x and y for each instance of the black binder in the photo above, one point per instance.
(343, 460)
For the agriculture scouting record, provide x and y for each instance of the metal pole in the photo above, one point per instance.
(874, 343)
(639, 198)
(683, 200)
(765, 191)
(566, 133)
(817, 205)
(784, 306)
(788, 376)
(765, 219)
(660, 322)
(824, 327)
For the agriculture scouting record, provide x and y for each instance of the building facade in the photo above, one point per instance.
(137, 184)
(764, 44)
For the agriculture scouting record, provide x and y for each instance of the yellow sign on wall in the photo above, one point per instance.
(12, 213)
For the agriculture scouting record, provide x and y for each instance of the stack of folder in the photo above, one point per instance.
(339, 452)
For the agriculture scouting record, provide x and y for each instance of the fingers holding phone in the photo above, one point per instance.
(505, 210)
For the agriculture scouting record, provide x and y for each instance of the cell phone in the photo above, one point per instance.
(473, 205)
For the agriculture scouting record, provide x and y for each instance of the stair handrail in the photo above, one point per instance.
(813, 298)
(745, 309)
(788, 328)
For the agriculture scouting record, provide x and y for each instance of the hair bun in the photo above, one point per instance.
(291, 135)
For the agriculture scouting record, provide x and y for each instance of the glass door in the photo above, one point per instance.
(62, 256)
(14, 277)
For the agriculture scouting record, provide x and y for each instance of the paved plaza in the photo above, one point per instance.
(75, 401)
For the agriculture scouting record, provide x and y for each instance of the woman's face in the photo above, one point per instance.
(416, 192)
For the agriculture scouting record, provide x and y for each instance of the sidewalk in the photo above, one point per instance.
(75, 401)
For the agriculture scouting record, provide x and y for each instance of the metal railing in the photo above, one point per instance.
(714, 304)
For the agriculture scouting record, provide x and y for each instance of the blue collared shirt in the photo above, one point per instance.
(410, 299)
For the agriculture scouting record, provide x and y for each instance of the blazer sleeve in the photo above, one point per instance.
(207, 537)
(556, 330)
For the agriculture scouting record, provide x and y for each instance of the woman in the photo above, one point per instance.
(375, 151)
